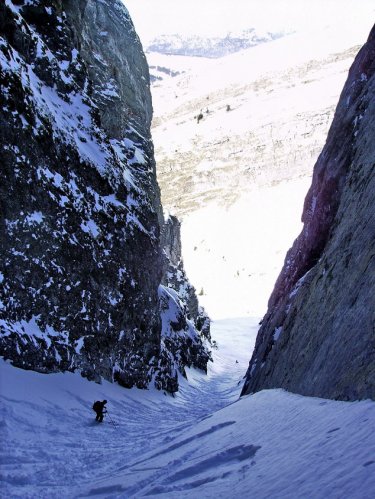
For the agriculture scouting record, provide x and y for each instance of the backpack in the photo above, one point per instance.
(97, 406)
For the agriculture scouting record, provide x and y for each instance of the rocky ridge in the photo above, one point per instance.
(317, 337)
(81, 219)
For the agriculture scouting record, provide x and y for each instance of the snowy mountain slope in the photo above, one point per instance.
(281, 104)
(234, 255)
(270, 445)
(238, 178)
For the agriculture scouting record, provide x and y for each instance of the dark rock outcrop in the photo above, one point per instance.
(318, 336)
(81, 217)
(182, 313)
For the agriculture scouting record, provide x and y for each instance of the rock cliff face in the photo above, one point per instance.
(188, 316)
(81, 218)
(318, 336)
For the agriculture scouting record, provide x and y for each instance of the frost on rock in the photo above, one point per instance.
(181, 342)
(185, 336)
(175, 276)
(81, 213)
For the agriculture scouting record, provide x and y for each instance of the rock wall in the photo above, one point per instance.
(190, 315)
(80, 206)
(318, 336)
(174, 274)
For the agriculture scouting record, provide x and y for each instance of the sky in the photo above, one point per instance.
(215, 17)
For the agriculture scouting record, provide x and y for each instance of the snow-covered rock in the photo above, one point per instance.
(175, 276)
(80, 206)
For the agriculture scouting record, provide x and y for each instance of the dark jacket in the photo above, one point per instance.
(99, 406)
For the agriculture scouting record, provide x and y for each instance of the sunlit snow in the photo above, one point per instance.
(202, 443)
(235, 269)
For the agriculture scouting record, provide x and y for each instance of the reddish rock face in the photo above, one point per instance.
(324, 262)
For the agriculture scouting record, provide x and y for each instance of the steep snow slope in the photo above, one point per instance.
(233, 255)
(281, 96)
(270, 445)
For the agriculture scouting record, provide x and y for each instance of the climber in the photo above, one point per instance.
(199, 117)
(100, 409)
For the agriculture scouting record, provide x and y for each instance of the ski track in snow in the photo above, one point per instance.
(202, 443)
(51, 442)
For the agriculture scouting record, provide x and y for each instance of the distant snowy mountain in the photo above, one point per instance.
(211, 47)
(172, 55)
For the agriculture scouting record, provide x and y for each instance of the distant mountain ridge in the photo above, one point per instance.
(211, 47)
